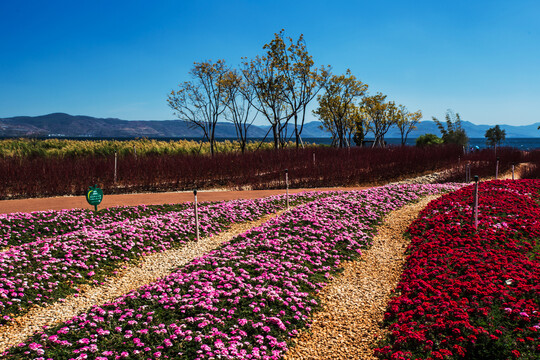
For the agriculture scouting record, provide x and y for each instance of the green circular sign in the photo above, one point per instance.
(94, 195)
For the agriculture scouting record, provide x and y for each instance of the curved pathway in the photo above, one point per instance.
(72, 202)
(353, 306)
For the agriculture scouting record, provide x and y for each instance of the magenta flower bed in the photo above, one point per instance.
(20, 228)
(244, 300)
(51, 268)
(469, 294)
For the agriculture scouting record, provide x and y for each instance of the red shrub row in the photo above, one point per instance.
(32, 177)
(469, 293)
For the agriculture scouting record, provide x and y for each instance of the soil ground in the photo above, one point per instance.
(73, 202)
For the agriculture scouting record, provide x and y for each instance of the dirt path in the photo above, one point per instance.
(348, 325)
(150, 269)
(72, 202)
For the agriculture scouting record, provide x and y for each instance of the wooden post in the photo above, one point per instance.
(512, 171)
(196, 215)
(313, 159)
(115, 164)
(497, 169)
(287, 186)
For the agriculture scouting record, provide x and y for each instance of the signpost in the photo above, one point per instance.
(476, 202)
(287, 184)
(94, 196)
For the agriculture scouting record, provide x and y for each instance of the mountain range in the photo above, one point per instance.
(65, 125)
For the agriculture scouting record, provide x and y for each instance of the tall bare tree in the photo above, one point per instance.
(238, 100)
(284, 82)
(202, 100)
(304, 81)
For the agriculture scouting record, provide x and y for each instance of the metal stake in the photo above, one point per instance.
(196, 215)
(287, 185)
(476, 202)
(512, 171)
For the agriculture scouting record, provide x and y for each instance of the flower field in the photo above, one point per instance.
(41, 267)
(243, 300)
(20, 228)
(469, 294)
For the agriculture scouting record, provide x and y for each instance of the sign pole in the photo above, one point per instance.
(94, 196)
(287, 185)
(196, 215)
(476, 202)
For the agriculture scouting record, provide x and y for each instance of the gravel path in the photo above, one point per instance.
(132, 277)
(353, 305)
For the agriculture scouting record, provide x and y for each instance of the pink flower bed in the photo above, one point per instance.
(48, 269)
(469, 294)
(244, 300)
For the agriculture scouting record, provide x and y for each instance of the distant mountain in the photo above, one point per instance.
(65, 125)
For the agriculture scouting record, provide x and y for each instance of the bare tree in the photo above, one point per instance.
(238, 100)
(202, 100)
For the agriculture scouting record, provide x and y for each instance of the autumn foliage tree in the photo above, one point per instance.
(381, 116)
(337, 109)
(407, 121)
(284, 81)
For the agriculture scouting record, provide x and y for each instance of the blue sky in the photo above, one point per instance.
(121, 58)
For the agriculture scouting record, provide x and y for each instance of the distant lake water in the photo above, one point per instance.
(518, 143)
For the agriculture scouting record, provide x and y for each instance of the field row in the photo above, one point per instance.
(245, 299)
(468, 293)
(307, 168)
(45, 268)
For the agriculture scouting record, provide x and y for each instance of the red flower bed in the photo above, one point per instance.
(471, 294)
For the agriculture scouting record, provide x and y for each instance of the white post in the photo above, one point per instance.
(135, 152)
(497, 169)
(476, 202)
(115, 164)
(287, 185)
(512, 171)
(196, 215)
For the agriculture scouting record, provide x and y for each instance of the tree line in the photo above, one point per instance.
(278, 86)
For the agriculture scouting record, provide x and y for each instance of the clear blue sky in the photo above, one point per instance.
(121, 58)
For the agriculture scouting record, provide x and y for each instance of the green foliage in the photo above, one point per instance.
(428, 139)
(454, 133)
(28, 148)
(495, 135)
(337, 110)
